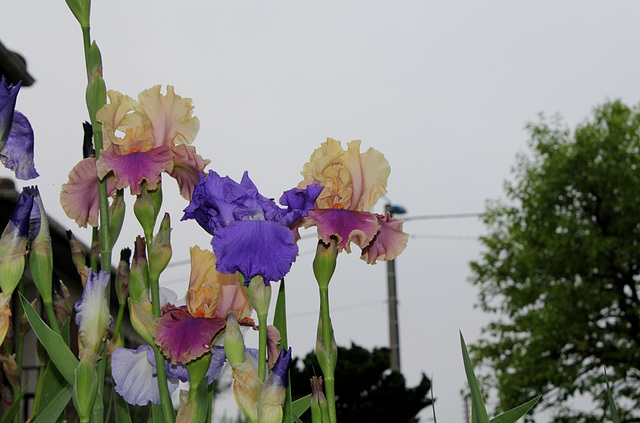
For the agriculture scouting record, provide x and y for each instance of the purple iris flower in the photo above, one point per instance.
(16, 135)
(251, 233)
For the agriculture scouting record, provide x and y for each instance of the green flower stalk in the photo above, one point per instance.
(260, 298)
(195, 409)
(324, 265)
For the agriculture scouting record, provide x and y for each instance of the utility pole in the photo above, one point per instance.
(394, 337)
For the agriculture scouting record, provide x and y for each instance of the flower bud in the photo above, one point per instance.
(78, 257)
(85, 387)
(233, 341)
(160, 252)
(319, 407)
(116, 217)
(62, 303)
(5, 314)
(145, 213)
(142, 318)
(324, 264)
(13, 243)
(41, 256)
(122, 276)
(139, 272)
(275, 390)
(259, 295)
(92, 310)
(326, 357)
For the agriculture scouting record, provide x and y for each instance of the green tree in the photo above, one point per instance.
(560, 269)
(366, 388)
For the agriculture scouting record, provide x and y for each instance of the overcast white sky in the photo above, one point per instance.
(443, 89)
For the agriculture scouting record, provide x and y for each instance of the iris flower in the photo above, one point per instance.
(141, 140)
(186, 333)
(251, 234)
(353, 182)
(16, 135)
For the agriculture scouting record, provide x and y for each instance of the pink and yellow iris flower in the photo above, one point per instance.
(141, 140)
(353, 182)
(186, 333)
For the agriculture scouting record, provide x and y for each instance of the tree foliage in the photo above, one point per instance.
(366, 389)
(560, 269)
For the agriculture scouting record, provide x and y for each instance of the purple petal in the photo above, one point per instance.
(21, 213)
(132, 169)
(134, 375)
(183, 337)
(217, 363)
(255, 247)
(298, 202)
(388, 243)
(346, 225)
(8, 96)
(17, 152)
(278, 376)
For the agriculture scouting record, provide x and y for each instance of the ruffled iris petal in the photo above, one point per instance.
(183, 337)
(133, 168)
(8, 97)
(388, 243)
(134, 374)
(255, 247)
(298, 203)
(17, 152)
(348, 226)
(79, 196)
(187, 168)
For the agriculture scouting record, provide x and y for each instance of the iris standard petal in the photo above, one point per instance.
(92, 310)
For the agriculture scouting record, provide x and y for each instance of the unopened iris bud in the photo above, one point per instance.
(13, 243)
(160, 253)
(122, 276)
(259, 295)
(92, 310)
(275, 390)
(319, 408)
(10, 368)
(139, 272)
(78, 257)
(324, 264)
(80, 9)
(142, 318)
(116, 217)
(233, 341)
(85, 387)
(41, 256)
(62, 302)
(145, 213)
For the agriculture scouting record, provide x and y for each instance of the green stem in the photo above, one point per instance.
(19, 342)
(262, 346)
(165, 397)
(118, 323)
(51, 314)
(327, 340)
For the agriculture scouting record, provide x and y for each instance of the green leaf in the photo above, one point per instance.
(299, 406)
(52, 411)
(515, 413)
(615, 417)
(15, 408)
(478, 409)
(58, 351)
(156, 415)
(280, 322)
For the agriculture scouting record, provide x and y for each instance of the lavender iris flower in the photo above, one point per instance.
(251, 234)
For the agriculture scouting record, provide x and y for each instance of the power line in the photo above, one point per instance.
(443, 216)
